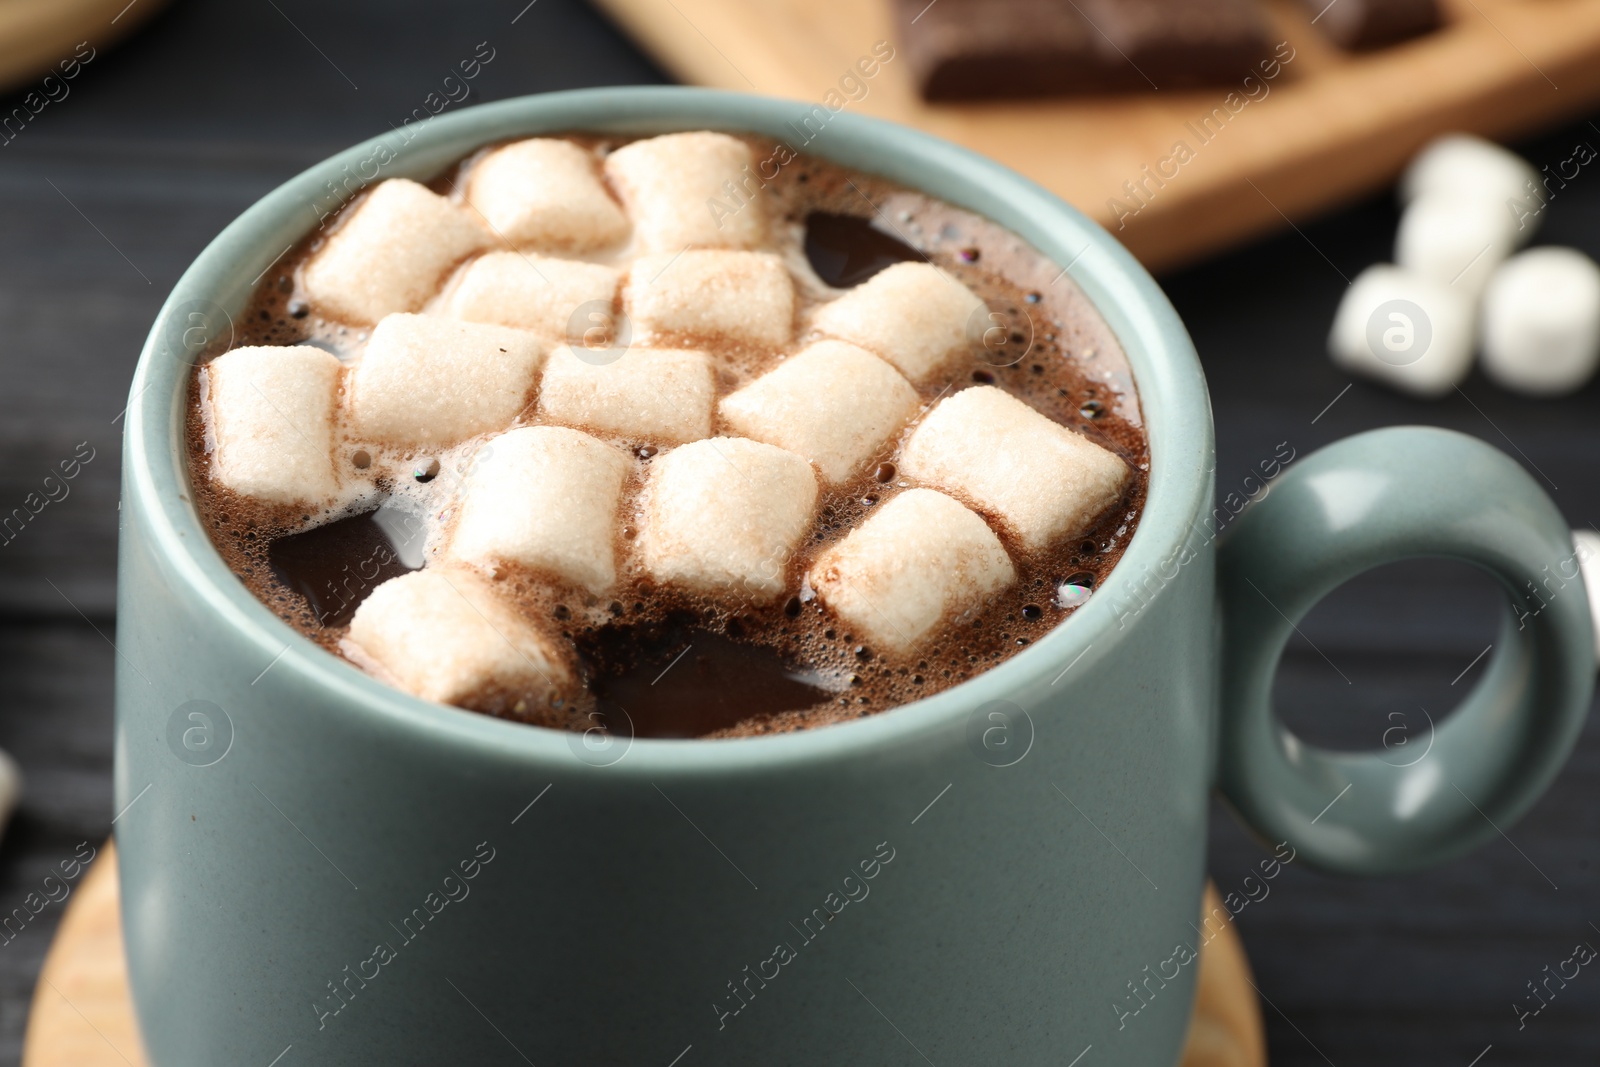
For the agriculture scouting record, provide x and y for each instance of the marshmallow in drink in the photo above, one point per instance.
(1039, 480)
(833, 403)
(1405, 330)
(689, 190)
(446, 634)
(555, 298)
(920, 560)
(426, 380)
(1460, 164)
(272, 416)
(391, 253)
(1541, 322)
(1454, 239)
(724, 516)
(732, 296)
(546, 193)
(662, 395)
(912, 314)
(545, 497)
(1586, 544)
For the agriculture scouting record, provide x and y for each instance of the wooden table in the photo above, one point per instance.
(109, 195)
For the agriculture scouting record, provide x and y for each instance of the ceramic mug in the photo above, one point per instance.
(320, 868)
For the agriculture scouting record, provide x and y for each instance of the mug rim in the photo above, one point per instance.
(1168, 379)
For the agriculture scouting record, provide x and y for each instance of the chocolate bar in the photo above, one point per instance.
(977, 49)
(1362, 24)
(1179, 44)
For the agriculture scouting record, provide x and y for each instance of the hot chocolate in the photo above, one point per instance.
(684, 436)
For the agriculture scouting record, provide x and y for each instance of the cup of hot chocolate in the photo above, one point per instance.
(674, 585)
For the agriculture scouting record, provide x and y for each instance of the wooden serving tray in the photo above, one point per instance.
(1329, 127)
(82, 1016)
(36, 35)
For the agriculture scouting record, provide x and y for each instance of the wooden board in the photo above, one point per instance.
(1330, 126)
(82, 1016)
(36, 35)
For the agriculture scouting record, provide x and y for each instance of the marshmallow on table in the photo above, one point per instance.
(429, 380)
(737, 296)
(445, 634)
(923, 558)
(1455, 239)
(912, 314)
(833, 403)
(1462, 165)
(724, 515)
(1040, 480)
(546, 193)
(272, 412)
(391, 253)
(545, 497)
(677, 192)
(645, 394)
(1405, 330)
(1541, 322)
(552, 297)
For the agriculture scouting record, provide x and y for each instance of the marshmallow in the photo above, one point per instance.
(1041, 480)
(545, 497)
(1454, 239)
(391, 253)
(1587, 546)
(429, 380)
(1462, 165)
(736, 296)
(833, 403)
(553, 297)
(912, 314)
(546, 193)
(918, 561)
(689, 189)
(1405, 330)
(724, 515)
(444, 634)
(272, 418)
(644, 394)
(1541, 322)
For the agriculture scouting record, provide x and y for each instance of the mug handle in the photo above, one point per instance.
(1371, 499)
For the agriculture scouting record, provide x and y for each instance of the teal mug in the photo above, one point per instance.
(320, 868)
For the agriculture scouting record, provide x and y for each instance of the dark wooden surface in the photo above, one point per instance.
(110, 193)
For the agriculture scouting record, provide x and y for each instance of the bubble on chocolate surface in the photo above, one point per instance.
(1075, 591)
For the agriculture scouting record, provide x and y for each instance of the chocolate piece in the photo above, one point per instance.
(846, 250)
(1174, 44)
(1363, 24)
(986, 49)
(335, 566)
(682, 680)
(972, 49)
